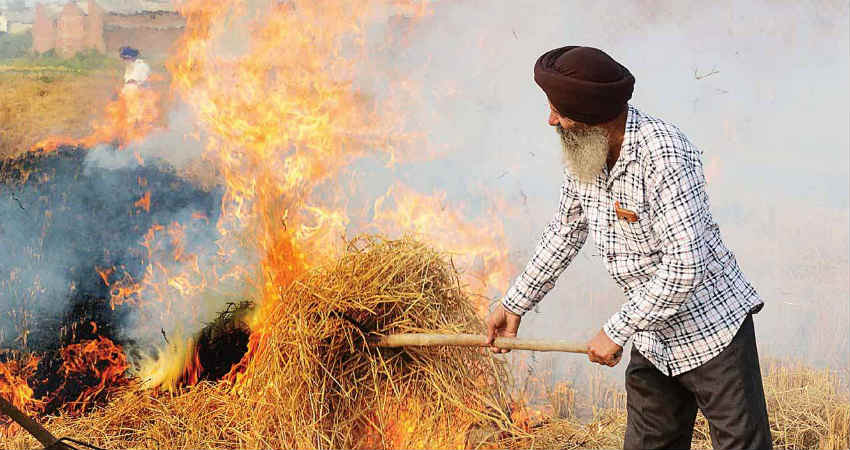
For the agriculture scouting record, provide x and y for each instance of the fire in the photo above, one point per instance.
(480, 246)
(284, 120)
(87, 371)
(144, 202)
(407, 427)
(14, 386)
(127, 119)
(177, 365)
(527, 417)
(105, 273)
(97, 364)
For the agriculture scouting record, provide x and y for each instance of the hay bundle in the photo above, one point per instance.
(311, 380)
(313, 366)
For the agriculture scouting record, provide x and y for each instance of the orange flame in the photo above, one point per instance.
(480, 246)
(284, 121)
(100, 359)
(89, 369)
(127, 119)
(14, 387)
(144, 202)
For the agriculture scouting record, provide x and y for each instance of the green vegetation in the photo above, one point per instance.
(16, 55)
(15, 45)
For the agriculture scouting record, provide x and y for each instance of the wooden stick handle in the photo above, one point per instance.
(26, 422)
(475, 340)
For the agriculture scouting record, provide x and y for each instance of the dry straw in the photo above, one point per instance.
(34, 107)
(808, 408)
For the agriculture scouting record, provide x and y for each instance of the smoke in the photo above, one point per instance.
(761, 88)
(179, 145)
(741, 81)
(186, 280)
(73, 234)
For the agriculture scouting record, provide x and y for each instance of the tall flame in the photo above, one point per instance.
(14, 386)
(284, 121)
(274, 87)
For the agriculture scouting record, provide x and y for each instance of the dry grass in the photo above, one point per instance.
(313, 382)
(37, 105)
(327, 388)
(808, 409)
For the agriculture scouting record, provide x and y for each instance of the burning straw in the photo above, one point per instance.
(310, 379)
(312, 361)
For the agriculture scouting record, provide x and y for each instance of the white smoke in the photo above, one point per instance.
(760, 87)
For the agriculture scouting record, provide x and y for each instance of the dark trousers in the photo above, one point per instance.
(727, 389)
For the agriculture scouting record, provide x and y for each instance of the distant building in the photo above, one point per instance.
(18, 17)
(4, 23)
(148, 25)
(106, 25)
(77, 27)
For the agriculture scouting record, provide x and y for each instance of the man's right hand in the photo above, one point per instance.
(501, 323)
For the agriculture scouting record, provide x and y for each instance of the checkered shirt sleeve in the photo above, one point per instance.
(560, 242)
(680, 222)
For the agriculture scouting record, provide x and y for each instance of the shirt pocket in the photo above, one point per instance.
(638, 235)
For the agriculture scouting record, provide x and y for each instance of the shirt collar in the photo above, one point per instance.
(628, 149)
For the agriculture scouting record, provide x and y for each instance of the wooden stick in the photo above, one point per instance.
(26, 422)
(475, 340)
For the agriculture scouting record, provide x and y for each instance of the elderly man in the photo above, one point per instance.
(635, 183)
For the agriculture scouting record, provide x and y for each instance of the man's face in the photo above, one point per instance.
(555, 119)
(585, 147)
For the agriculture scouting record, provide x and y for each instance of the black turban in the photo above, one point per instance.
(584, 83)
(128, 53)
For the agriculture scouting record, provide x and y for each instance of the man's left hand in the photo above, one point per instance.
(602, 350)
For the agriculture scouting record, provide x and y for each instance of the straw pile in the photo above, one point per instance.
(326, 387)
(310, 379)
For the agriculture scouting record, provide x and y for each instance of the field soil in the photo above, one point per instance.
(37, 104)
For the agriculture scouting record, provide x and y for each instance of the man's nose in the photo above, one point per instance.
(553, 119)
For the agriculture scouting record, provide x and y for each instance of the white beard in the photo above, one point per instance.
(585, 151)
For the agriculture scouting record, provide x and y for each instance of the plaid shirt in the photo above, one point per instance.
(686, 295)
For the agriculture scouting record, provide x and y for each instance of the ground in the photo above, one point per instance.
(41, 101)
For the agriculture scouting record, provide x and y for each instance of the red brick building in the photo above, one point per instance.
(106, 26)
(152, 32)
(76, 27)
